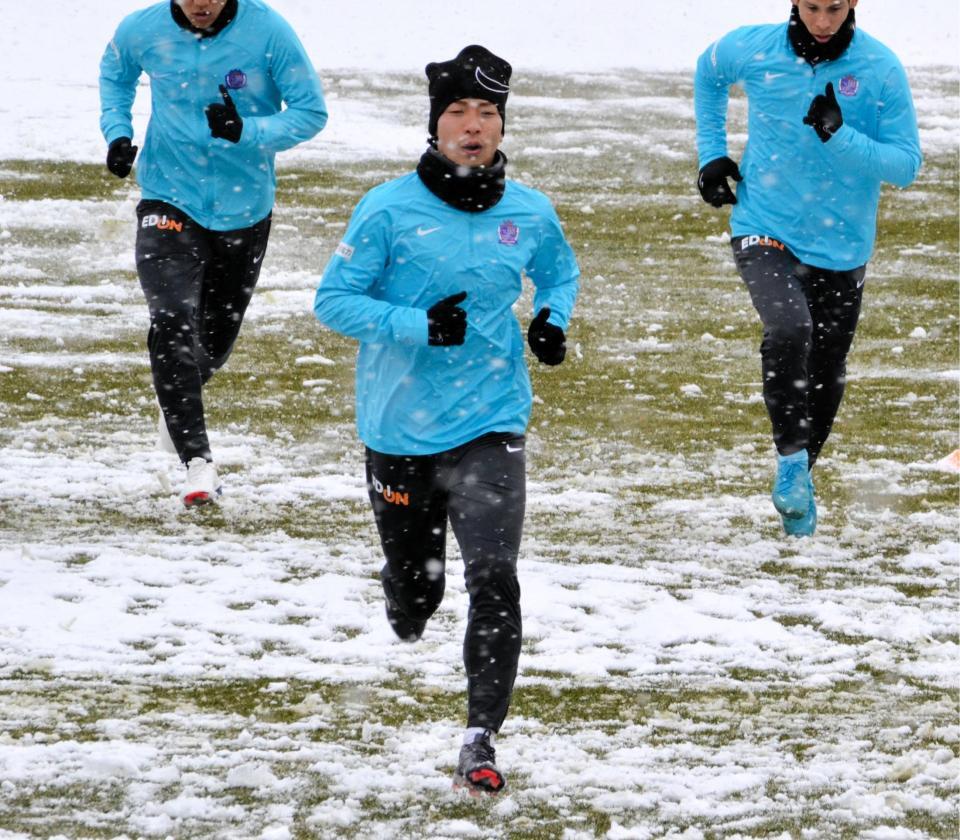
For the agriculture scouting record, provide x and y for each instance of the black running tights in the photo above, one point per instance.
(480, 487)
(809, 318)
(197, 283)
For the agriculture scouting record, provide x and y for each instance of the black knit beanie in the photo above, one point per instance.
(476, 73)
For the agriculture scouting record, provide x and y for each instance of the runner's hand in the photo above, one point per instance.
(825, 115)
(224, 121)
(712, 181)
(120, 157)
(447, 322)
(547, 340)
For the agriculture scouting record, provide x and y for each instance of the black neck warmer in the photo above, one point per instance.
(223, 19)
(810, 49)
(470, 188)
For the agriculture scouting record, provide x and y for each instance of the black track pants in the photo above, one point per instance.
(197, 283)
(481, 488)
(809, 317)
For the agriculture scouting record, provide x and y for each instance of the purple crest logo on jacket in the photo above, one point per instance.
(849, 86)
(509, 233)
(235, 80)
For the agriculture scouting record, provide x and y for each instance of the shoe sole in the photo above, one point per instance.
(798, 528)
(802, 526)
(790, 511)
(799, 535)
(484, 782)
(199, 499)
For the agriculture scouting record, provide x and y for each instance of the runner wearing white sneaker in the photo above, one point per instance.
(220, 73)
(203, 484)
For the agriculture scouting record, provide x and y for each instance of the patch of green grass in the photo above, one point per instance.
(39, 180)
(917, 590)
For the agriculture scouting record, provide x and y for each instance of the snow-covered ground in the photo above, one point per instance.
(686, 671)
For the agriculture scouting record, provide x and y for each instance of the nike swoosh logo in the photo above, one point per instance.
(514, 448)
(258, 258)
(426, 231)
(769, 77)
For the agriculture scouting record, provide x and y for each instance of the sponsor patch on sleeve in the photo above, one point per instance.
(344, 250)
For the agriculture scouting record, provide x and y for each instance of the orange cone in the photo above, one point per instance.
(951, 463)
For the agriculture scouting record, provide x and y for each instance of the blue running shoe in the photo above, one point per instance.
(791, 488)
(805, 525)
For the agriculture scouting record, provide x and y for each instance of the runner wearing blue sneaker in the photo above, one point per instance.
(830, 118)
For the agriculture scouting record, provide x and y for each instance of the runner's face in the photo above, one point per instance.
(469, 132)
(202, 13)
(823, 18)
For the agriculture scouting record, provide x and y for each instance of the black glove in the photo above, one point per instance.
(547, 341)
(447, 322)
(120, 156)
(825, 115)
(712, 182)
(224, 121)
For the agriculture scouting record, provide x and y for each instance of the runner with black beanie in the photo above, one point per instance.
(424, 279)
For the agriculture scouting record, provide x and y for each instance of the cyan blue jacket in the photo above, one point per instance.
(819, 199)
(403, 251)
(257, 56)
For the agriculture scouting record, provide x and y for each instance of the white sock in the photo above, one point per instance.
(471, 733)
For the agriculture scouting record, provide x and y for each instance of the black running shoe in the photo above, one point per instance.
(477, 770)
(406, 628)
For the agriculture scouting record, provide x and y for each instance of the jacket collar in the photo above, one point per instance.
(471, 189)
(223, 19)
(810, 49)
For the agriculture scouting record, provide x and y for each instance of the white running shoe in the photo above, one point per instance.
(203, 485)
(164, 441)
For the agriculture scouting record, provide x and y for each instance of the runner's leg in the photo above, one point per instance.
(487, 495)
(171, 254)
(410, 512)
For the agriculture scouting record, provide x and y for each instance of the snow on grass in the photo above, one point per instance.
(687, 671)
